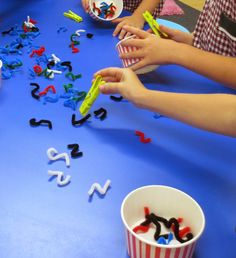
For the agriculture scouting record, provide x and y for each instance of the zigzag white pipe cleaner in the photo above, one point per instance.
(53, 155)
(97, 186)
(60, 176)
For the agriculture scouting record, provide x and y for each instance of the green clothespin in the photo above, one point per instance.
(91, 96)
(153, 24)
(73, 16)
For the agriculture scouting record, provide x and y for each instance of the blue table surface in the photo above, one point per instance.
(38, 219)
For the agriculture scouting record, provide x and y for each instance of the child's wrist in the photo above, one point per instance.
(177, 53)
(141, 99)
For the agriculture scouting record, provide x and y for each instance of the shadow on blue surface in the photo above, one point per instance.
(157, 154)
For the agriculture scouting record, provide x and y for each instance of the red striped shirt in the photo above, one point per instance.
(209, 34)
(132, 5)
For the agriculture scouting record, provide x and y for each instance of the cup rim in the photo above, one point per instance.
(180, 245)
(124, 39)
(102, 19)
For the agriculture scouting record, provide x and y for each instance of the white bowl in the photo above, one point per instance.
(117, 3)
(166, 202)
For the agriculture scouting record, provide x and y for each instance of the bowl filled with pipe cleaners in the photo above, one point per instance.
(105, 10)
(160, 222)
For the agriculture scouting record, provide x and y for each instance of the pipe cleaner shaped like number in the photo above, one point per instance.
(101, 113)
(81, 121)
(60, 177)
(91, 96)
(33, 92)
(115, 98)
(53, 155)
(75, 150)
(142, 137)
(33, 122)
(98, 188)
(168, 224)
(45, 91)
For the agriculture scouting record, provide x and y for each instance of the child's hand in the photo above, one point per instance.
(121, 81)
(85, 4)
(178, 35)
(151, 49)
(132, 20)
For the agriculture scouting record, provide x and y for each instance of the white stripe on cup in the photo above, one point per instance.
(152, 252)
(127, 241)
(172, 254)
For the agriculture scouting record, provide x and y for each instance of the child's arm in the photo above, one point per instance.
(154, 50)
(85, 4)
(136, 19)
(212, 112)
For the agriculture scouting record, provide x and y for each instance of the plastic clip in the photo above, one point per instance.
(91, 96)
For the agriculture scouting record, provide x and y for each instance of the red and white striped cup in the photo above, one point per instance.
(127, 62)
(166, 202)
(117, 3)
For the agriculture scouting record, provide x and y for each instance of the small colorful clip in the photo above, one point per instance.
(73, 16)
(153, 24)
(91, 96)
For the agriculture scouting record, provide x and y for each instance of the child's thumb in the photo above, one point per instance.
(169, 31)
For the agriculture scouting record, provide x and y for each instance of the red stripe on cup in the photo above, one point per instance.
(148, 251)
(157, 252)
(127, 61)
(167, 254)
(134, 246)
(128, 241)
(140, 249)
(177, 251)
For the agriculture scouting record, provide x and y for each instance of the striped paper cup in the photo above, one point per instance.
(166, 202)
(94, 14)
(127, 62)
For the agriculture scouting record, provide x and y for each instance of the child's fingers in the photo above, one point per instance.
(117, 20)
(140, 33)
(122, 34)
(110, 88)
(110, 72)
(171, 32)
(138, 65)
(118, 29)
(85, 5)
(149, 31)
(134, 54)
(109, 79)
(133, 43)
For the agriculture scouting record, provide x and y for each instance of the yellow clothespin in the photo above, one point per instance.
(153, 24)
(73, 16)
(91, 96)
